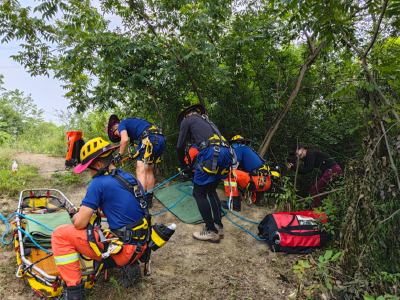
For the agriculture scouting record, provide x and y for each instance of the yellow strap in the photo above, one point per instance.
(274, 173)
(224, 171)
(211, 172)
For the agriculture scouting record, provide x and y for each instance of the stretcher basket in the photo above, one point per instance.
(35, 266)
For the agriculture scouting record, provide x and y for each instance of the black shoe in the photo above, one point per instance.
(237, 203)
(149, 198)
(259, 198)
(131, 275)
(224, 204)
(76, 292)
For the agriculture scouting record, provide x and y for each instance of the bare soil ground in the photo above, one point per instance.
(239, 267)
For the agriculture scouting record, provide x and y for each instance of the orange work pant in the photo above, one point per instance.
(243, 179)
(67, 242)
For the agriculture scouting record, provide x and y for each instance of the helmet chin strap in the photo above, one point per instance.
(102, 171)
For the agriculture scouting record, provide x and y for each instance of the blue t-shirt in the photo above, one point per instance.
(118, 204)
(247, 158)
(133, 126)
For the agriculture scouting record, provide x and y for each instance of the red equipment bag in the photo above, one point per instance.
(294, 232)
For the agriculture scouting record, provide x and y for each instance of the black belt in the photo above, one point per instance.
(205, 144)
(145, 133)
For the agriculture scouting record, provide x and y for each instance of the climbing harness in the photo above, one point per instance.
(216, 141)
(146, 144)
(137, 232)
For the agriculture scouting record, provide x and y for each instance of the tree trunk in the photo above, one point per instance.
(278, 119)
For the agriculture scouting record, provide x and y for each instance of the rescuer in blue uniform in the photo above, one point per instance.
(213, 163)
(151, 145)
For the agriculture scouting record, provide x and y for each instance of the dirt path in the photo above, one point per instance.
(239, 267)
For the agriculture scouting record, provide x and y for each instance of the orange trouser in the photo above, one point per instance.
(67, 242)
(243, 179)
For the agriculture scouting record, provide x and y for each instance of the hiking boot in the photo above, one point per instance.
(76, 292)
(259, 198)
(220, 231)
(207, 235)
(149, 198)
(219, 228)
(131, 275)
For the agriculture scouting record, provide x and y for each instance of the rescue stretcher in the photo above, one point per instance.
(36, 265)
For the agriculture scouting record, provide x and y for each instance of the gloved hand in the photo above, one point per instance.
(184, 176)
(117, 158)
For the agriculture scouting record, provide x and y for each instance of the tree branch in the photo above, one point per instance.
(376, 229)
(390, 156)
(278, 119)
(318, 195)
(181, 63)
(384, 6)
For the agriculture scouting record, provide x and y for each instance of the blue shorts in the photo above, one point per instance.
(158, 149)
(224, 162)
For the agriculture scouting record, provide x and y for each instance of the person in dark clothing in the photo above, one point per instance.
(213, 163)
(331, 171)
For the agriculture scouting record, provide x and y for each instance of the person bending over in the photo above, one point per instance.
(312, 158)
(151, 145)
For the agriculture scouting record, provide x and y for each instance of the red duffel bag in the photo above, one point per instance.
(294, 232)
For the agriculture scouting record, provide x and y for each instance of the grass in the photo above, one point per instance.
(27, 177)
(13, 184)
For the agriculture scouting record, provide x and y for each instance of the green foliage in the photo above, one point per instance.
(67, 178)
(243, 64)
(322, 269)
(368, 297)
(116, 286)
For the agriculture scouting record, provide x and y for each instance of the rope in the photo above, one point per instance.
(248, 231)
(160, 185)
(168, 208)
(257, 238)
(23, 231)
(186, 184)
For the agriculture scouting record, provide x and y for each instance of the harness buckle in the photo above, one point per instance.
(217, 149)
(137, 191)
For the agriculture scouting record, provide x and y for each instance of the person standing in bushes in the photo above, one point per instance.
(213, 163)
(331, 171)
(151, 145)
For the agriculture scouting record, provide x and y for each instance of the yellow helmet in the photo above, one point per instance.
(239, 139)
(91, 150)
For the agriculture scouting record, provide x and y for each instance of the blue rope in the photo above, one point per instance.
(248, 231)
(31, 238)
(185, 184)
(240, 217)
(256, 237)
(164, 182)
(168, 208)
(20, 229)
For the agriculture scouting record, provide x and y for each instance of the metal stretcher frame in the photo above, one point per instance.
(25, 264)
